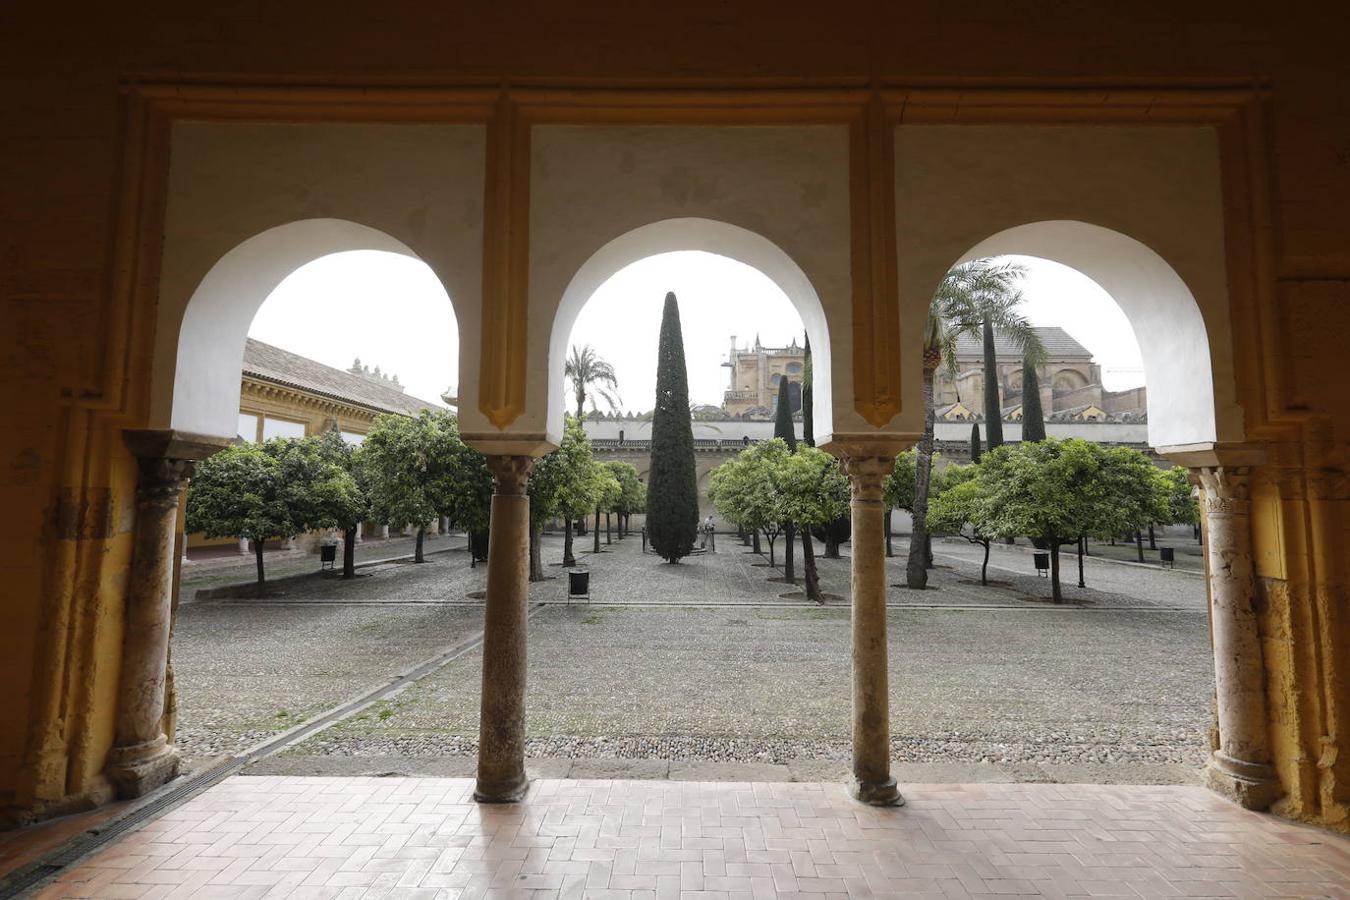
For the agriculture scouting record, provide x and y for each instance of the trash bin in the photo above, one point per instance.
(1168, 555)
(578, 585)
(327, 555)
(1042, 562)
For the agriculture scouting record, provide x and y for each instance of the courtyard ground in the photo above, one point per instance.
(706, 670)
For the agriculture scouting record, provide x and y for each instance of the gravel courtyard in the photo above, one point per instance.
(712, 669)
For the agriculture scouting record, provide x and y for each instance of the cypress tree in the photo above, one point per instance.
(974, 442)
(782, 428)
(1033, 419)
(782, 423)
(808, 400)
(993, 411)
(672, 488)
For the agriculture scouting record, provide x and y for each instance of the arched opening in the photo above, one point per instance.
(267, 349)
(1167, 321)
(1110, 271)
(205, 390)
(698, 234)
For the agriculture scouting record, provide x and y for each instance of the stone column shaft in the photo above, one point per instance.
(501, 740)
(1241, 767)
(872, 782)
(142, 758)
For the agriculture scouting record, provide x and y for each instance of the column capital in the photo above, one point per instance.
(510, 474)
(1226, 488)
(868, 475)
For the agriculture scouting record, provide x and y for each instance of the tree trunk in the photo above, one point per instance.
(890, 550)
(595, 548)
(754, 543)
(1082, 549)
(770, 540)
(809, 568)
(831, 541)
(1055, 593)
(536, 553)
(607, 539)
(349, 552)
(789, 572)
(993, 409)
(1139, 545)
(1152, 539)
(417, 551)
(258, 552)
(928, 551)
(984, 566)
(568, 558)
(916, 567)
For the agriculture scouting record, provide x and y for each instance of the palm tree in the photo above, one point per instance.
(591, 375)
(972, 297)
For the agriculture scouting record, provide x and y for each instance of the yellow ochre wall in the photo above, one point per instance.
(75, 361)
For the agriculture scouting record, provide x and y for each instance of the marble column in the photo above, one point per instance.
(501, 741)
(871, 782)
(243, 545)
(142, 758)
(1240, 768)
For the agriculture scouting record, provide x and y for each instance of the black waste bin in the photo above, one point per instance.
(1042, 562)
(327, 555)
(1168, 555)
(578, 585)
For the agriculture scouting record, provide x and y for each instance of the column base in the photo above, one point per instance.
(512, 791)
(140, 768)
(875, 793)
(1249, 785)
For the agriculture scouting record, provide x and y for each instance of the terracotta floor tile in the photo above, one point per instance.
(424, 837)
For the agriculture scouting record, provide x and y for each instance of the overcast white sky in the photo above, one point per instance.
(391, 311)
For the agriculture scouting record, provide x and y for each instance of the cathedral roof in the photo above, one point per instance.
(1059, 344)
(269, 363)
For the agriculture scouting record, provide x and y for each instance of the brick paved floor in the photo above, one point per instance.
(423, 837)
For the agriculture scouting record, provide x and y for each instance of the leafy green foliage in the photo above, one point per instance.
(747, 489)
(409, 465)
(672, 516)
(633, 493)
(564, 482)
(812, 490)
(1179, 506)
(240, 492)
(899, 487)
(275, 490)
(1055, 491)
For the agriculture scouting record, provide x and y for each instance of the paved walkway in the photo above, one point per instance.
(423, 837)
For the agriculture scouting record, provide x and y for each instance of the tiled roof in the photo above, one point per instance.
(1059, 344)
(268, 363)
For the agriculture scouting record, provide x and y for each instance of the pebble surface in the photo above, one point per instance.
(1120, 676)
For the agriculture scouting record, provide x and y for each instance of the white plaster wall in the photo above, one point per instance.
(591, 185)
(414, 188)
(1138, 209)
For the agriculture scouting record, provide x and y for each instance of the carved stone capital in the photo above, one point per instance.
(1227, 489)
(510, 474)
(868, 475)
